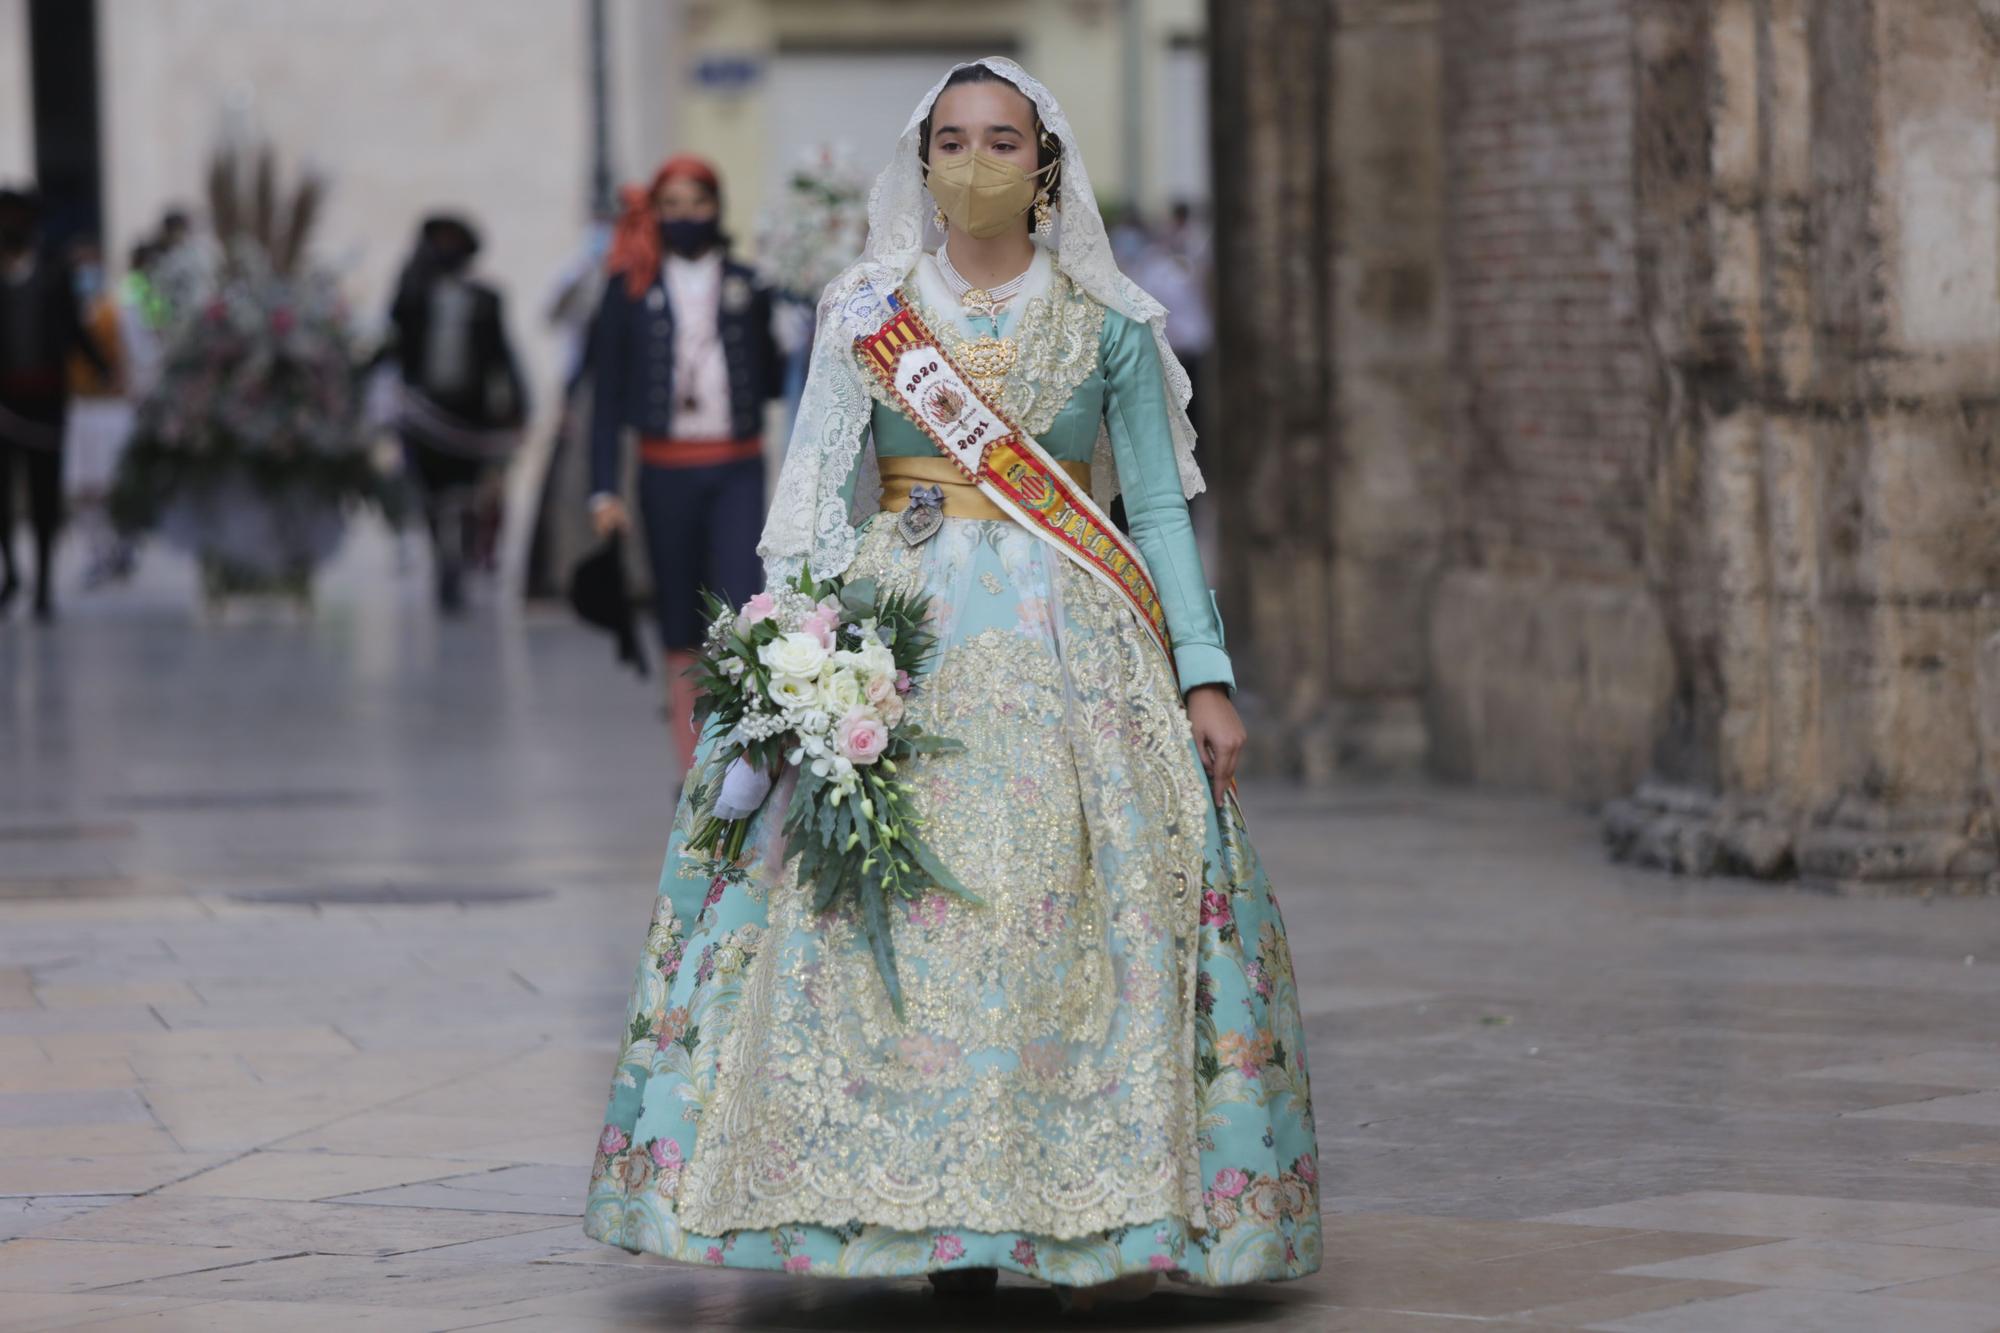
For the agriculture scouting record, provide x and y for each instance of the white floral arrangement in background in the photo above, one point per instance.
(818, 225)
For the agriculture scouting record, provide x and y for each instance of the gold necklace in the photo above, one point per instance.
(986, 361)
(979, 300)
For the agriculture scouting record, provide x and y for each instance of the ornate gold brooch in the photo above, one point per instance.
(987, 360)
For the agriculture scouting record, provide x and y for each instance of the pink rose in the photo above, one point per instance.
(760, 607)
(1024, 1252)
(666, 1153)
(1160, 1263)
(947, 1248)
(798, 1263)
(821, 624)
(611, 1140)
(903, 682)
(861, 739)
(1307, 1169)
(714, 1255)
(1230, 1182)
(1214, 909)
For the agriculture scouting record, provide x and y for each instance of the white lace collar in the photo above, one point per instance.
(936, 293)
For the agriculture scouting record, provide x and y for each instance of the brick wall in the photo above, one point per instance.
(1552, 427)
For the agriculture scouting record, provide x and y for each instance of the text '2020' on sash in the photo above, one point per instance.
(1009, 467)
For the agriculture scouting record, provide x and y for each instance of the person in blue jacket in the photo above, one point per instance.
(684, 362)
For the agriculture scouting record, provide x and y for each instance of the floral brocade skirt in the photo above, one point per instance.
(1100, 1069)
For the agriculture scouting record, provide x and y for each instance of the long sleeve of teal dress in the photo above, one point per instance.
(1142, 442)
(1129, 394)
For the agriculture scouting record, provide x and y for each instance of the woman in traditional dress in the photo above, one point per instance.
(1100, 1072)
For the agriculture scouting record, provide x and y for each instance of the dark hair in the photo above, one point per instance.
(444, 228)
(1048, 148)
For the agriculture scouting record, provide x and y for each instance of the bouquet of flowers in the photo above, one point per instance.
(814, 675)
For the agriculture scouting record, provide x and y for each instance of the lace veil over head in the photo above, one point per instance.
(810, 518)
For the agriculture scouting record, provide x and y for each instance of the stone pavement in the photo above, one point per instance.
(313, 954)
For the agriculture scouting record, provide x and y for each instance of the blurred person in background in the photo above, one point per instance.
(1174, 266)
(463, 399)
(176, 229)
(142, 319)
(41, 326)
(684, 357)
(97, 306)
(101, 414)
(181, 267)
(562, 527)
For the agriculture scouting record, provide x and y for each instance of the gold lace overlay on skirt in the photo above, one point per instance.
(1043, 1080)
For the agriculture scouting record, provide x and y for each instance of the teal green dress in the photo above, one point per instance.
(1101, 1069)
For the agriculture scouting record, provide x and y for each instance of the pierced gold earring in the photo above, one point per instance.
(1043, 219)
(937, 217)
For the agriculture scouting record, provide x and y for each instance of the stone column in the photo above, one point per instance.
(1549, 665)
(1825, 528)
(1327, 460)
(1270, 456)
(1390, 377)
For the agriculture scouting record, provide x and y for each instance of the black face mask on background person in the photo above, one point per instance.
(688, 237)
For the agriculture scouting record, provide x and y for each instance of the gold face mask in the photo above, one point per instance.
(981, 194)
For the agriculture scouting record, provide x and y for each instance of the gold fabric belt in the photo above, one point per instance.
(962, 498)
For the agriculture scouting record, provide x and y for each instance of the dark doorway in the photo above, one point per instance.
(62, 40)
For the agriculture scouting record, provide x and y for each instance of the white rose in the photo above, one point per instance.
(875, 659)
(793, 693)
(795, 654)
(839, 692)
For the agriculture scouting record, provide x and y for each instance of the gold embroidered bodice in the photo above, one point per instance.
(1032, 372)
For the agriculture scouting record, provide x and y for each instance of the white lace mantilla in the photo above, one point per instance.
(810, 517)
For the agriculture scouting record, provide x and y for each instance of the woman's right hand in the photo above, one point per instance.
(607, 515)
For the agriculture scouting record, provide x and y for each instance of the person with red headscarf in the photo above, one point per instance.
(685, 361)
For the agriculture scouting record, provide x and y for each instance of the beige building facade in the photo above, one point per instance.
(485, 105)
(761, 81)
